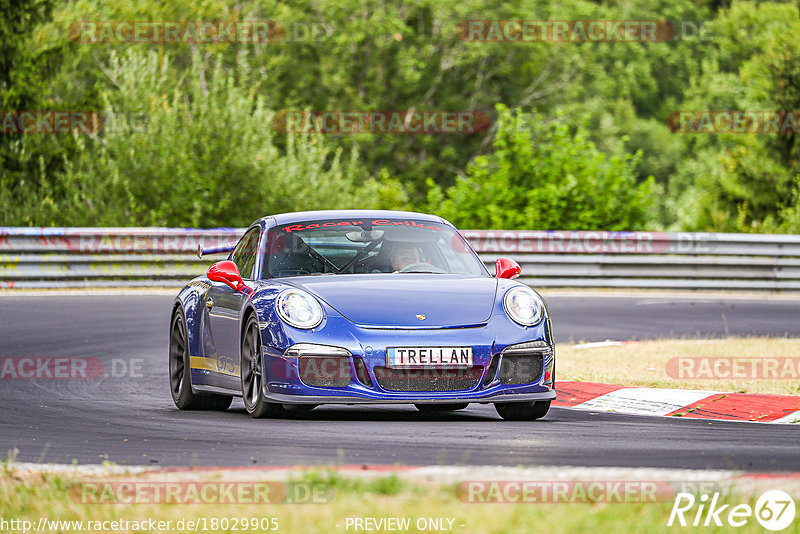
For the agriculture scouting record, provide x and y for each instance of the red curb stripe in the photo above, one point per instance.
(741, 407)
(574, 393)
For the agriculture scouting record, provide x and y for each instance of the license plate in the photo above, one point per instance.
(429, 356)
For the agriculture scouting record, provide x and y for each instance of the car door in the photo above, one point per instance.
(224, 306)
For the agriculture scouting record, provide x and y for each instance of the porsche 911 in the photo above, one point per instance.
(360, 307)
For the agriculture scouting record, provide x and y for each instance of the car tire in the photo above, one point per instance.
(522, 411)
(252, 373)
(438, 408)
(180, 372)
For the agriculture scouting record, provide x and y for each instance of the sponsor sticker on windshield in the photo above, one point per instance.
(299, 227)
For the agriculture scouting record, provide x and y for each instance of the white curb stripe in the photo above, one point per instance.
(791, 418)
(644, 401)
(597, 344)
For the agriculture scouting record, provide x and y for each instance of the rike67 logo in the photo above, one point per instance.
(774, 510)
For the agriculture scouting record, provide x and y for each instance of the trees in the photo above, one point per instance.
(606, 101)
(22, 70)
(24, 73)
(546, 175)
(196, 150)
(744, 181)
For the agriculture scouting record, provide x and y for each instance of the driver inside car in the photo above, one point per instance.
(403, 256)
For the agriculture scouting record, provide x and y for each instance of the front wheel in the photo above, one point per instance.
(522, 411)
(180, 373)
(253, 374)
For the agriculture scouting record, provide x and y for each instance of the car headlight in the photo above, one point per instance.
(299, 309)
(523, 305)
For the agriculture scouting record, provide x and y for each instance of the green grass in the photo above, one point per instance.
(35, 495)
(647, 363)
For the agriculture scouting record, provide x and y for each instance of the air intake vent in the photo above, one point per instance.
(325, 371)
(516, 370)
(435, 379)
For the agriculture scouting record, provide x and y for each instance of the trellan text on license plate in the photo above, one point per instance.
(428, 356)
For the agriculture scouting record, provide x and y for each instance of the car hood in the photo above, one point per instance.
(406, 299)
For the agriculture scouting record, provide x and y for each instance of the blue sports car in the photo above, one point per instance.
(360, 307)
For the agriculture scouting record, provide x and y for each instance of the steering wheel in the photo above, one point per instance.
(421, 266)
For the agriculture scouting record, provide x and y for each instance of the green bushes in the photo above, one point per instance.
(195, 149)
(543, 175)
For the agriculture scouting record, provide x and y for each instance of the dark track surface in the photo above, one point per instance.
(132, 420)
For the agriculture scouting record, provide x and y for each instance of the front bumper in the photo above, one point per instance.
(438, 399)
(284, 385)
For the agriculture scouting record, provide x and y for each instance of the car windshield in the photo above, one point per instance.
(364, 246)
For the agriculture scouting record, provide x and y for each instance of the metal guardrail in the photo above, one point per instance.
(666, 260)
(153, 257)
(105, 257)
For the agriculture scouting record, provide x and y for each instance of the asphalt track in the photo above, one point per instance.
(131, 419)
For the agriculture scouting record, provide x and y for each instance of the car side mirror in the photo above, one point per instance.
(507, 268)
(227, 272)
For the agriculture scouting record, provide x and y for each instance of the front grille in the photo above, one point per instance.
(324, 371)
(521, 368)
(428, 379)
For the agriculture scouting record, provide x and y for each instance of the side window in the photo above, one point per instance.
(244, 255)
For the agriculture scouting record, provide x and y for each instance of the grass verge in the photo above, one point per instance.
(738, 365)
(430, 507)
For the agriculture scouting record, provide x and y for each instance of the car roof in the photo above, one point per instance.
(299, 216)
